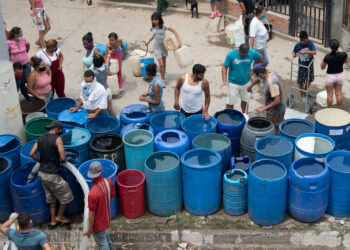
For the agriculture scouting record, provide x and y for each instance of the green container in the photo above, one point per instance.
(36, 127)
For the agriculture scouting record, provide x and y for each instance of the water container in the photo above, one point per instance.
(143, 64)
(56, 106)
(242, 163)
(275, 148)
(231, 123)
(239, 33)
(338, 163)
(34, 115)
(109, 171)
(254, 129)
(103, 124)
(321, 99)
(138, 145)
(73, 157)
(183, 57)
(31, 106)
(196, 125)
(168, 119)
(30, 197)
(201, 178)
(10, 146)
(235, 186)
(72, 120)
(230, 33)
(108, 146)
(170, 42)
(135, 113)
(172, 140)
(136, 67)
(313, 145)
(102, 48)
(218, 143)
(342, 142)
(134, 126)
(6, 170)
(78, 139)
(126, 49)
(308, 189)
(332, 122)
(267, 192)
(131, 185)
(25, 153)
(36, 127)
(292, 128)
(163, 180)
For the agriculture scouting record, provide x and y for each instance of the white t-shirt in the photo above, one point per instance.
(259, 32)
(97, 97)
(45, 57)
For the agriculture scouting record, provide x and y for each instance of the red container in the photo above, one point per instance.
(131, 184)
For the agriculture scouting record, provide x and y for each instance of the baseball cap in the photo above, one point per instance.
(258, 68)
(95, 169)
(54, 124)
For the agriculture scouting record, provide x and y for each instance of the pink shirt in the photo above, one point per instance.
(39, 4)
(42, 84)
(18, 52)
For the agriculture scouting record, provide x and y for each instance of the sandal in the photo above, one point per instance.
(303, 100)
(312, 95)
(51, 227)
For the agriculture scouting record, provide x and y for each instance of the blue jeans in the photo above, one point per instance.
(265, 60)
(103, 240)
(21, 85)
(26, 72)
(48, 97)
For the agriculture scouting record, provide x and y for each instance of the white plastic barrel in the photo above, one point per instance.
(170, 42)
(183, 57)
(10, 111)
(136, 68)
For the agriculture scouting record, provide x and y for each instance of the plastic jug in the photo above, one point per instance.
(183, 57)
(136, 68)
(239, 33)
(230, 33)
(170, 43)
(113, 84)
(321, 99)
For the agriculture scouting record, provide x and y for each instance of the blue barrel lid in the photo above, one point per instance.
(162, 161)
(102, 124)
(78, 117)
(296, 127)
(216, 142)
(170, 136)
(306, 144)
(339, 161)
(230, 117)
(236, 176)
(197, 123)
(200, 158)
(309, 167)
(167, 119)
(273, 146)
(137, 138)
(76, 137)
(267, 169)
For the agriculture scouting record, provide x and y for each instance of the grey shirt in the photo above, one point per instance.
(101, 75)
(271, 90)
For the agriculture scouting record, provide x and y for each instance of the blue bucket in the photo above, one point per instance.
(196, 125)
(292, 128)
(134, 126)
(10, 146)
(6, 170)
(56, 106)
(235, 186)
(332, 122)
(143, 64)
(135, 113)
(103, 124)
(168, 119)
(172, 140)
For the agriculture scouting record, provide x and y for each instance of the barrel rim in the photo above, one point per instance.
(139, 145)
(124, 172)
(243, 121)
(211, 134)
(177, 131)
(92, 140)
(260, 129)
(40, 110)
(87, 163)
(315, 155)
(231, 171)
(31, 184)
(14, 149)
(268, 160)
(192, 117)
(165, 112)
(284, 122)
(58, 100)
(88, 121)
(200, 167)
(51, 119)
(144, 107)
(273, 137)
(307, 159)
(333, 154)
(162, 152)
(326, 110)
(9, 164)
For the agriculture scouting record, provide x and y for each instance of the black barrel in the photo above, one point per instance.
(108, 146)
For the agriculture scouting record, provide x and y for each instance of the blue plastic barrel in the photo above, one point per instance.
(292, 128)
(267, 192)
(30, 197)
(196, 125)
(235, 186)
(163, 180)
(126, 49)
(135, 113)
(56, 106)
(78, 139)
(231, 123)
(73, 120)
(313, 145)
(109, 171)
(172, 140)
(242, 163)
(338, 163)
(103, 124)
(275, 148)
(25, 153)
(332, 122)
(201, 178)
(134, 126)
(218, 143)
(143, 64)
(6, 170)
(102, 48)
(138, 145)
(308, 189)
(168, 119)
(10, 146)
(342, 142)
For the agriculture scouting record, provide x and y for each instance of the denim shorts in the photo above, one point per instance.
(213, 1)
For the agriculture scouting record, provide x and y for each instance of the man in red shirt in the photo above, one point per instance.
(99, 207)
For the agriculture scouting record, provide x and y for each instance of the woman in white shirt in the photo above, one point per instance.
(258, 34)
(53, 59)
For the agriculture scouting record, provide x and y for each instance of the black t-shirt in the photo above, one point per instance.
(249, 6)
(335, 62)
(49, 155)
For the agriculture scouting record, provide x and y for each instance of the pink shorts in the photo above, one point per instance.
(331, 79)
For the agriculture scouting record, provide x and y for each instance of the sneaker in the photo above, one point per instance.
(212, 16)
(218, 13)
(312, 95)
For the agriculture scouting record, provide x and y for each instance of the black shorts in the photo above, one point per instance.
(189, 114)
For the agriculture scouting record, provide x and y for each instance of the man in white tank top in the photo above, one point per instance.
(193, 85)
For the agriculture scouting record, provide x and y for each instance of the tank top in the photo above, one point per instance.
(49, 156)
(88, 60)
(42, 84)
(191, 97)
(39, 4)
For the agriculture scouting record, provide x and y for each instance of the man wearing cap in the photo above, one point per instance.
(274, 104)
(99, 206)
(50, 147)
(239, 62)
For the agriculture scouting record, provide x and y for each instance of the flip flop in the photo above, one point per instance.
(311, 94)
(51, 227)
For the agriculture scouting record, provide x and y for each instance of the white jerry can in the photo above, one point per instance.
(183, 57)
(170, 42)
(136, 68)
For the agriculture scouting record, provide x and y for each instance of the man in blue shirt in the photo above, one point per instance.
(238, 62)
(27, 238)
